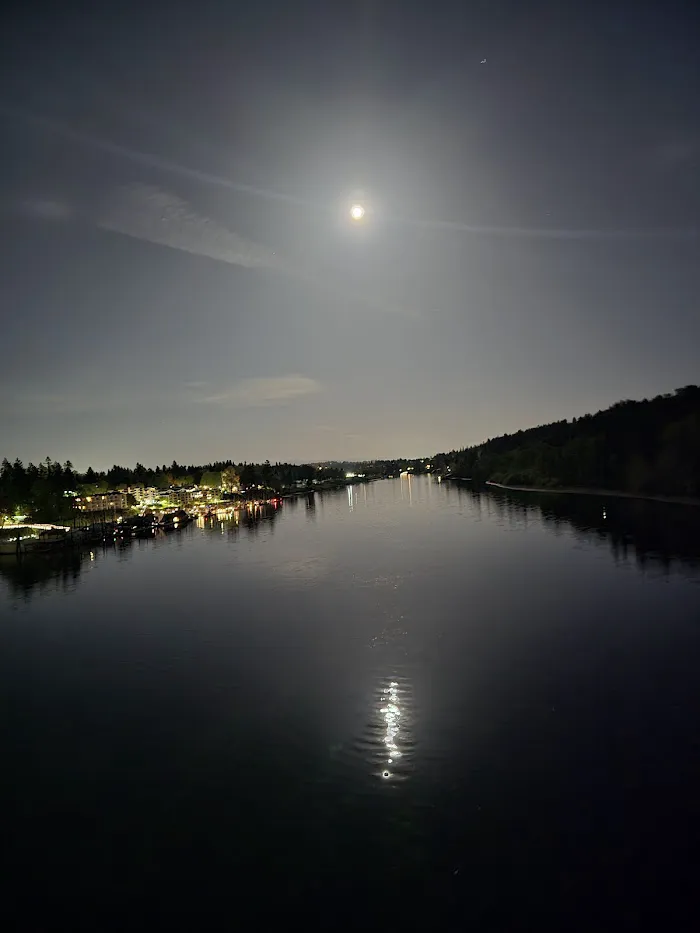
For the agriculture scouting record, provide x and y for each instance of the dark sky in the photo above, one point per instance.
(179, 277)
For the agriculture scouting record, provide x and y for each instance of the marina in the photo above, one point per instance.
(20, 539)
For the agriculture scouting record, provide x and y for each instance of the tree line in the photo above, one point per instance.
(43, 492)
(37, 491)
(647, 447)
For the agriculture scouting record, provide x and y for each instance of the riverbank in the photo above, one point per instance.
(610, 493)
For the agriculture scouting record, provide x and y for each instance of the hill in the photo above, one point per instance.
(648, 447)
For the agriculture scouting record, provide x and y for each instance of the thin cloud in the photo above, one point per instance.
(144, 158)
(255, 393)
(555, 233)
(157, 216)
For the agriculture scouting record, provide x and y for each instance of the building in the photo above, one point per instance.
(102, 502)
(144, 495)
(185, 495)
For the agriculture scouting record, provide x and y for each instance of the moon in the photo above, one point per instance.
(357, 212)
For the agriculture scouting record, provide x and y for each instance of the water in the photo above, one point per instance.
(398, 705)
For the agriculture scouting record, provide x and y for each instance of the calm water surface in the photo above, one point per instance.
(400, 704)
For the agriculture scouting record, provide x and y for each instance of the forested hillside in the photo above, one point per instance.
(647, 447)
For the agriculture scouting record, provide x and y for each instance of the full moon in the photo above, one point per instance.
(357, 212)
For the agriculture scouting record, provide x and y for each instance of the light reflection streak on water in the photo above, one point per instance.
(391, 714)
(218, 519)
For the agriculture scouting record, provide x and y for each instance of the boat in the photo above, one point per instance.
(18, 540)
(172, 520)
(52, 538)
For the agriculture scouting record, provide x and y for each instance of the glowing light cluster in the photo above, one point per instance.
(357, 212)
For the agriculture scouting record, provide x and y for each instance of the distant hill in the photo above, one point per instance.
(647, 447)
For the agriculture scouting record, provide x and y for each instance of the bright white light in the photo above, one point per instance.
(357, 212)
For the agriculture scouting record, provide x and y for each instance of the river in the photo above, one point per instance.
(399, 704)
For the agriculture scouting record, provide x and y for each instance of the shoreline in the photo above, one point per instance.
(583, 491)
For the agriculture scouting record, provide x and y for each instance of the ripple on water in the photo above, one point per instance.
(393, 630)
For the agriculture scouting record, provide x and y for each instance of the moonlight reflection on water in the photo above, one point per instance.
(391, 715)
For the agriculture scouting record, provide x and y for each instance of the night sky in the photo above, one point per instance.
(180, 278)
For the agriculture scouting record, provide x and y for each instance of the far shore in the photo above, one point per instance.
(582, 491)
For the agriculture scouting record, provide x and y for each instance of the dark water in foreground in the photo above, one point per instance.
(403, 706)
